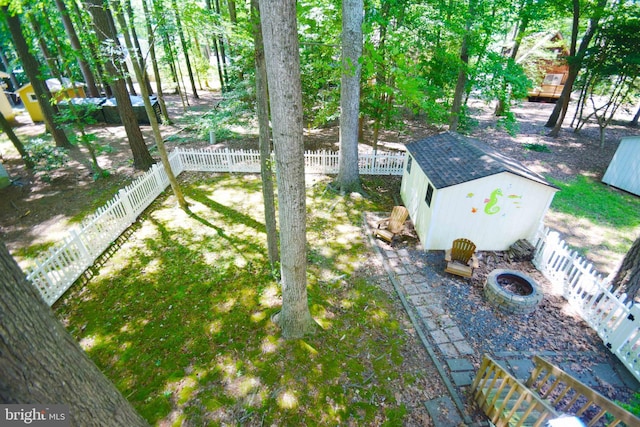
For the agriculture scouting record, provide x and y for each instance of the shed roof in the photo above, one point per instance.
(449, 159)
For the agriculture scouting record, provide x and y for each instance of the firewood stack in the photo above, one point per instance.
(521, 250)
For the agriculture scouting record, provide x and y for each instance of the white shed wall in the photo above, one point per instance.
(5, 107)
(624, 170)
(493, 212)
(413, 191)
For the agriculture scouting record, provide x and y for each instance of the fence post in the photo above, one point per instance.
(84, 252)
(228, 155)
(157, 171)
(619, 336)
(123, 197)
(176, 155)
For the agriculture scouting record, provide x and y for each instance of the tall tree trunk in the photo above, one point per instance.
(141, 157)
(138, 50)
(232, 11)
(52, 63)
(262, 110)
(151, 114)
(154, 63)
(562, 104)
(517, 41)
(627, 278)
(279, 31)
(85, 69)
(634, 121)
(5, 126)
(458, 96)
(40, 363)
(7, 67)
(185, 49)
(348, 179)
(32, 70)
(220, 44)
(122, 65)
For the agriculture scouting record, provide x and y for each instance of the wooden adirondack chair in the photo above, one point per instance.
(387, 228)
(461, 259)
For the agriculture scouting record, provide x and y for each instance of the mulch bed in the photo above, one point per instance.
(554, 329)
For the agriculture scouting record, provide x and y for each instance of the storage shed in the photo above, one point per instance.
(455, 186)
(624, 169)
(5, 107)
(59, 91)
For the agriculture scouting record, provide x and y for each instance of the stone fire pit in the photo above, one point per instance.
(512, 291)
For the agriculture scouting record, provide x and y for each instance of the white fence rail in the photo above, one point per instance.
(324, 162)
(616, 320)
(56, 269)
(613, 316)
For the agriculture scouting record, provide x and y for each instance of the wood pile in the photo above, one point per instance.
(521, 250)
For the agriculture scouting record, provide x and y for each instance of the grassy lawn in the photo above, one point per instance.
(601, 222)
(179, 317)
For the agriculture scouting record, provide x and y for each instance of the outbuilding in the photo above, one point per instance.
(623, 171)
(5, 107)
(458, 187)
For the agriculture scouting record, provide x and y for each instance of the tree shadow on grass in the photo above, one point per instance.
(232, 215)
(184, 330)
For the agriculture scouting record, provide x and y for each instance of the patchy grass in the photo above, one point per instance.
(98, 196)
(597, 221)
(540, 148)
(585, 198)
(179, 318)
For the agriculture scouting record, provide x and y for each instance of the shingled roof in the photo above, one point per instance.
(450, 159)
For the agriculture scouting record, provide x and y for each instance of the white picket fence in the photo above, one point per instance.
(321, 162)
(613, 316)
(58, 268)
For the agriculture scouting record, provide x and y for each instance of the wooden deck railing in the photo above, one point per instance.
(548, 393)
(505, 400)
(568, 395)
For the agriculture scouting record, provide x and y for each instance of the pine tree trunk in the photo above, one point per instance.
(280, 36)
(634, 121)
(348, 179)
(85, 69)
(517, 41)
(151, 114)
(5, 126)
(141, 157)
(136, 43)
(54, 68)
(232, 11)
(185, 49)
(627, 278)
(458, 96)
(220, 44)
(41, 363)
(562, 105)
(262, 110)
(154, 63)
(7, 67)
(32, 70)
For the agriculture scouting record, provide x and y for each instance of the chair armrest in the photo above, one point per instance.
(382, 221)
(447, 255)
(473, 262)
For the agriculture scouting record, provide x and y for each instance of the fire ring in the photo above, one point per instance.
(512, 291)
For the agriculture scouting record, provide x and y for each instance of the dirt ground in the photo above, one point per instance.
(37, 212)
